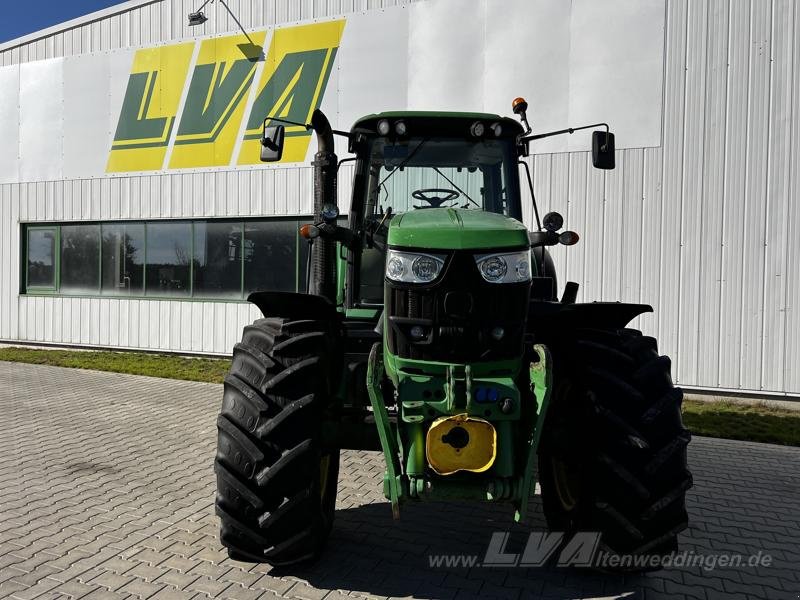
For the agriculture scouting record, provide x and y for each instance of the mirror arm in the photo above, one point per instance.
(288, 122)
(336, 233)
(569, 130)
(542, 238)
(308, 126)
(533, 196)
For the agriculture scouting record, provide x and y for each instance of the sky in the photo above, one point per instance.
(18, 18)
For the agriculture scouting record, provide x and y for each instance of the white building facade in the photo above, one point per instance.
(134, 215)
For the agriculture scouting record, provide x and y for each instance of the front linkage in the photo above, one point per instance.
(491, 446)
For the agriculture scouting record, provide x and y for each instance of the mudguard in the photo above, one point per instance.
(555, 315)
(293, 305)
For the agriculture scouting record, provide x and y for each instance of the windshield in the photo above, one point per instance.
(422, 173)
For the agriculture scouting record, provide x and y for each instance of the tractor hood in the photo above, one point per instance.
(456, 229)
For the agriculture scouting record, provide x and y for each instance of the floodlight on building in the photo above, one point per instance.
(198, 17)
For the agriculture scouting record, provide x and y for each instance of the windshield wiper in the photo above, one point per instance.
(462, 192)
(404, 163)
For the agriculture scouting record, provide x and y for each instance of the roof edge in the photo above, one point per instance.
(435, 114)
(97, 15)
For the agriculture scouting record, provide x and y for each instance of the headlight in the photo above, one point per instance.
(411, 267)
(513, 267)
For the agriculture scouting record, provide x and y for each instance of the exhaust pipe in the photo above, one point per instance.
(323, 252)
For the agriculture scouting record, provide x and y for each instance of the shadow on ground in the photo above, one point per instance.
(371, 553)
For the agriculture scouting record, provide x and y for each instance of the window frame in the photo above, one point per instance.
(44, 289)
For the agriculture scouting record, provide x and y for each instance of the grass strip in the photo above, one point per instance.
(211, 370)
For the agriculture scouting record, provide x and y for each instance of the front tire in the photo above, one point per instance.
(276, 484)
(613, 455)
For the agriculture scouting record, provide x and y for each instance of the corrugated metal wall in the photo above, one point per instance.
(165, 20)
(706, 227)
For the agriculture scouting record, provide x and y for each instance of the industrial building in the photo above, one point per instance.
(135, 214)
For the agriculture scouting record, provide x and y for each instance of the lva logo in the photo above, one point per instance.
(220, 111)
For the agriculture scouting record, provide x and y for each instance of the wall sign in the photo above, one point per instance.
(199, 104)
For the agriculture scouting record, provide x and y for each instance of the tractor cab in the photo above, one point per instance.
(423, 176)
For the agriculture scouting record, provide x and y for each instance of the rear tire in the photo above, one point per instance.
(613, 453)
(276, 484)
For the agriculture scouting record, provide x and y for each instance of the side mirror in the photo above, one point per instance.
(603, 150)
(272, 143)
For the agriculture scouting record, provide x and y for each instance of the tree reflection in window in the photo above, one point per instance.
(41, 258)
(217, 259)
(270, 256)
(80, 259)
(169, 248)
(123, 259)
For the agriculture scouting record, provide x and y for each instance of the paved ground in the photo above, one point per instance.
(106, 491)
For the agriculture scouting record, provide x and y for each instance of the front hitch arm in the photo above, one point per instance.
(392, 477)
(541, 376)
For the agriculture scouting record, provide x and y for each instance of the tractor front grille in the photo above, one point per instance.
(458, 315)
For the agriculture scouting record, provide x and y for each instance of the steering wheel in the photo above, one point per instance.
(437, 200)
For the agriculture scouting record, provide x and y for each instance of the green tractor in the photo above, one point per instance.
(431, 331)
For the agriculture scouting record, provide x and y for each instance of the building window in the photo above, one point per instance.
(169, 259)
(41, 258)
(80, 259)
(219, 259)
(122, 264)
(270, 253)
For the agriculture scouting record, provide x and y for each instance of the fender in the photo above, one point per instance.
(552, 316)
(294, 305)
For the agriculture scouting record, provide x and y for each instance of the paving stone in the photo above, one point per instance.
(35, 576)
(142, 589)
(207, 569)
(103, 594)
(172, 594)
(7, 588)
(238, 592)
(75, 589)
(306, 592)
(37, 590)
(12, 573)
(208, 586)
(242, 578)
(176, 579)
(274, 585)
(180, 564)
(145, 572)
(111, 580)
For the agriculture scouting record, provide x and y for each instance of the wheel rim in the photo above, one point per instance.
(565, 484)
(566, 480)
(324, 471)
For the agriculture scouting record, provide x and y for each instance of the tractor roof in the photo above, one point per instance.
(439, 122)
